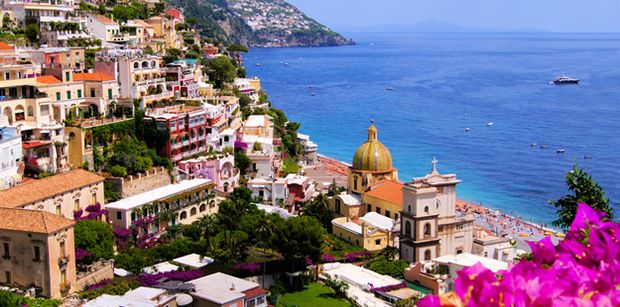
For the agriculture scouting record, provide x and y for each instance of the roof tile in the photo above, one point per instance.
(387, 190)
(32, 221)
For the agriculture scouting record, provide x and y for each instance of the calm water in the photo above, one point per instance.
(444, 83)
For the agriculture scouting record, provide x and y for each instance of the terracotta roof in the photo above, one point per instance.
(142, 23)
(96, 76)
(5, 46)
(32, 221)
(387, 190)
(104, 20)
(36, 190)
(254, 292)
(48, 80)
(34, 144)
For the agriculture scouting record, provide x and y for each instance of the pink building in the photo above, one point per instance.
(176, 14)
(219, 168)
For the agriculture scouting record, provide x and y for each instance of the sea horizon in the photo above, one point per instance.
(445, 83)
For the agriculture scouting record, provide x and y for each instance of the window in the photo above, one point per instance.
(355, 183)
(183, 215)
(119, 215)
(378, 210)
(459, 226)
(7, 275)
(37, 254)
(7, 250)
(76, 204)
(192, 212)
(133, 216)
(68, 94)
(79, 93)
(92, 92)
(109, 93)
(67, 76)
(58, 210)
(408, 228)
(30, 111)
(378, 242)
(45, 110)
(387, 213)
(93, 198)
(427, 229)
(368, 208)
(427, 255)
(57, 96)
(63, 279)
(202, 208)
(396, 216)
(337, 206)
(426, 209)
(409, 208)
(261, 193)
(63, 254)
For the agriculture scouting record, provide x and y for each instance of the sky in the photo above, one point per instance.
(545, 15)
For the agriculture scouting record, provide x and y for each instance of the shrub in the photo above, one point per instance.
(118, 171)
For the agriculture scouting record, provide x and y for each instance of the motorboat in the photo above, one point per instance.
(467, 129)
(389, 89)
(489, 124)
(560, 150)
(563, 79)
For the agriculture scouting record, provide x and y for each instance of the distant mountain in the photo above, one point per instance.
(259, 23)
(431, 26)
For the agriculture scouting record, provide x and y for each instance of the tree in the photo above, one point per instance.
(242, 162)
(221, 70)
(339, 286)
(584, 190)
(210, 226)
(319, 209)
(32, 32)
(265, 232)
(172, 55)
(96, 237)
(298, 237)
(334, 189)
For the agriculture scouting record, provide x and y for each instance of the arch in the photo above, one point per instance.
(153, 64)
(136, 65)
(145, 64)
(93, 110)
(427, 255)
(19, 113)
(426, 209)
(408, 228)
(202, 208)
(9, 113)
(226, 185)
(192, 212)
(183, 215)
(427, 229)
(437, 204)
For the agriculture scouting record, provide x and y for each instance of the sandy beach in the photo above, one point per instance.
(494, 221)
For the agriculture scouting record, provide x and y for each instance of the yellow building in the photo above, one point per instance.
(80, 139)
(372, 163)
(37, 250)
(372, 231)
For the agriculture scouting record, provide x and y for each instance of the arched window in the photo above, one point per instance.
(135, 65)
(427, 255)
(408, 229)
(183, 215)
(153, 64)
(192, 212)
(437, 204)
(202, 208)
(426, 209)
(409, 208)
(427, 229)
(145, 64)
(355, 183)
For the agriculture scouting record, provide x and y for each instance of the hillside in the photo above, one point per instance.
(259, 23)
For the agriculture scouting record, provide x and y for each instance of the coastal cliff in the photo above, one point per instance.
(259, 23)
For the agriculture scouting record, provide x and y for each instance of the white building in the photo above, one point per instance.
(10, 155)
(272, 190)
(139, 297)
(105, 29)
(221, 289)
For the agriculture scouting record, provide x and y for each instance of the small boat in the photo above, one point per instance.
(313, 94)
(563, 79)
(467, 129)
(533, 144)
(489, 124)
(257, 64)
(389, 88)
(561, 150)
(543, 146)
(587, 157)
(310, 86)
(286, 63)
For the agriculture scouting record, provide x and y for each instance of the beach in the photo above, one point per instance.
(494, 221)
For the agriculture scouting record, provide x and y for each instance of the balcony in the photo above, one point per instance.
(163, 95)
(149, 82)
(63, 261)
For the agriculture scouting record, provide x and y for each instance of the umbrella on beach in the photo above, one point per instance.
(524, 235)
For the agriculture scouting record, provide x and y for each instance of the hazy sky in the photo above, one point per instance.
(549, 15)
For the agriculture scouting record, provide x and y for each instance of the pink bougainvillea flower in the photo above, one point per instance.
(543, 251)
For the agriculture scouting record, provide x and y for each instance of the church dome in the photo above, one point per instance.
(372, 155)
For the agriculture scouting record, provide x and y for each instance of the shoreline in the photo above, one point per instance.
(493, 220)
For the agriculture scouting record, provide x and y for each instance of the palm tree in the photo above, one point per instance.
(265, 231)
(210, 225)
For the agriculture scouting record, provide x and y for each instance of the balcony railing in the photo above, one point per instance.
(149, 82)
(163, 95)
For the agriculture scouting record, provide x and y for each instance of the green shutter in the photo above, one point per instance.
(57, 96)
(109, 93)
(68, 76)
(79, 93)
(68, 95)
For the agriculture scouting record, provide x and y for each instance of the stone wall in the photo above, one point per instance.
(143, 182)
(95, 273)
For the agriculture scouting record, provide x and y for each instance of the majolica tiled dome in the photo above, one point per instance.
(372, 155)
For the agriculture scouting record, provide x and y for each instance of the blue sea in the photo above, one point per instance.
(445, 83)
